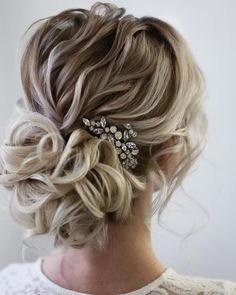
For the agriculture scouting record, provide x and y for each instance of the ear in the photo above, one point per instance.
(166, 162)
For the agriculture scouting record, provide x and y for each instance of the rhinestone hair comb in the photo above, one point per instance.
(126, 149)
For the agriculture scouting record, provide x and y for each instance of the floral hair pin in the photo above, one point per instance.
(126, 149)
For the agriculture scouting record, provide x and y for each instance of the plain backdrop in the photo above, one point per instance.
(207, 205)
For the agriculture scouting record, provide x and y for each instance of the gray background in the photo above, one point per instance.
(209, 27)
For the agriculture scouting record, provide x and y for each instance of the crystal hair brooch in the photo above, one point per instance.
(126, 149)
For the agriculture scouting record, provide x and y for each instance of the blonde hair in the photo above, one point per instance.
(88, 63)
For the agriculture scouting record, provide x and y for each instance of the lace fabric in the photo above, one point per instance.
(28, 279)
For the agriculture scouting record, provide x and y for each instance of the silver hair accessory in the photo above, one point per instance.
(126, 149)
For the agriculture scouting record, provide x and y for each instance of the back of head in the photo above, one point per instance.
(88, 63)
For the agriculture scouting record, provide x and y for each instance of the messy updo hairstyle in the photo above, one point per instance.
(87, 63)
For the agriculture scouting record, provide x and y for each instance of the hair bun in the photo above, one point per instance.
(64, 187)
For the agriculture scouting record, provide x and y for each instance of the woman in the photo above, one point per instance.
(113, 111)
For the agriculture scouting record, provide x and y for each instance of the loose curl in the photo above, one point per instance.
(82, 63)
(64, 187)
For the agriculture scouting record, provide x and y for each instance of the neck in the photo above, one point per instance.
(128, 261)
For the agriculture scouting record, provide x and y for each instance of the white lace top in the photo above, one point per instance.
(28, 279)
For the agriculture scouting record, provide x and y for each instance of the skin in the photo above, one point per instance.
(128, 263)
